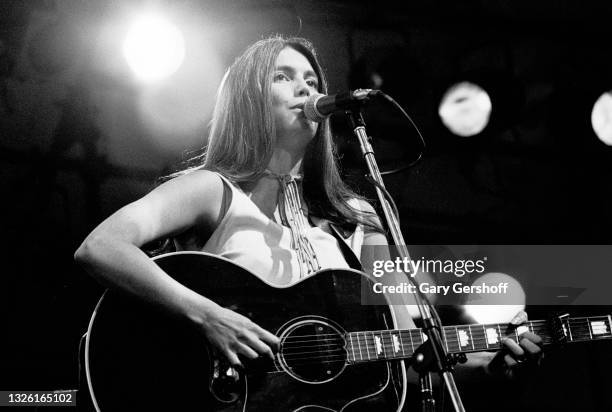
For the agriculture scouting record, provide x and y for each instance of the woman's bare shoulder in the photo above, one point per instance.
(193, 199)
(192, 185)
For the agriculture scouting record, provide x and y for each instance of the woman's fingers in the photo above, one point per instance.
(514, 348)
(532, 337)
(246, 351)
(232, 358)
(510, 361)
(532, 349)
(515, 356)
(271, 339)
(520, 317)
(528, 349)
(261, 347)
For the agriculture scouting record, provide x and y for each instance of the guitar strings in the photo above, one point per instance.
(306, 350)
(536, 323)
(290, 352)
(450, 337)
(450, 342)
(343, 356)
(328, 358)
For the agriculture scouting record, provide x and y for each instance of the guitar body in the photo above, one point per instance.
(138, 358)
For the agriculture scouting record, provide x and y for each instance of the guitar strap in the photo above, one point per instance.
(346, 250)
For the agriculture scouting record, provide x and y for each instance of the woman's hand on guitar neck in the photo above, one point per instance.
(514, 357)
(234, 335)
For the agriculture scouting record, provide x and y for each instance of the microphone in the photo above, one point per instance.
(318, 106)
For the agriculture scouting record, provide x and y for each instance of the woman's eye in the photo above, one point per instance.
(313, 83)
(280, 76)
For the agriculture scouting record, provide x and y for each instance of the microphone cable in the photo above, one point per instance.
(380, 93)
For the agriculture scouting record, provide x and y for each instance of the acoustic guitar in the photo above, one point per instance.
(336, 354)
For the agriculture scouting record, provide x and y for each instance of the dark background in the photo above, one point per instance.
(74, 146)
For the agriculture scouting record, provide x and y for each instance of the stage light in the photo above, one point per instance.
(499, 308)
(601, 118)
(175, 112)
(154, 48)
(465, 109)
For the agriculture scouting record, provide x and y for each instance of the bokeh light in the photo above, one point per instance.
(175, 112)
(497, 308)
(601, 118)
(465, 109)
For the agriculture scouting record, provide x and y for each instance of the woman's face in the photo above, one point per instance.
(294, 80)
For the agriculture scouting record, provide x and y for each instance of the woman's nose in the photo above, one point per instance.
(302, 88)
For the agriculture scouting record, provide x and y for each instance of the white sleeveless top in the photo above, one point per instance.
(248, 237)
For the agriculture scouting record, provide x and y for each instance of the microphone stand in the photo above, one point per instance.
(431, 356)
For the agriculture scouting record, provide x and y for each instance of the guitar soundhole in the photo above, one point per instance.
(313, 351)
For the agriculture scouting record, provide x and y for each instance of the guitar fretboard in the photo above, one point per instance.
(400, 344)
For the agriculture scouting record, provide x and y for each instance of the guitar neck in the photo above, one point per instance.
(401, 344)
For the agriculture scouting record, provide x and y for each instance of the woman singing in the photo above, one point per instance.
(266, 194)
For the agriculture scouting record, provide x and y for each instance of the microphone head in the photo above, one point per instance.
(310, 108)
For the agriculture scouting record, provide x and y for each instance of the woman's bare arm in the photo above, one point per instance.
(112, 255)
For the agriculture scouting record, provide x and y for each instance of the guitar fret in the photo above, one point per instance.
(391, 343)
(411, 341)
(458, 338)
(352, 347)
(450, 334)
(461, 338)
(445, 340)
(589, 326)
(387, 344)
(359, 346)
(380, 345)
(471, 336)
(382, 339)
(567, 329)
(479, 338)
(516, 334)
(484, 331)
(373, 336)
(402, 344)
(365, 338)
(419, 337)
